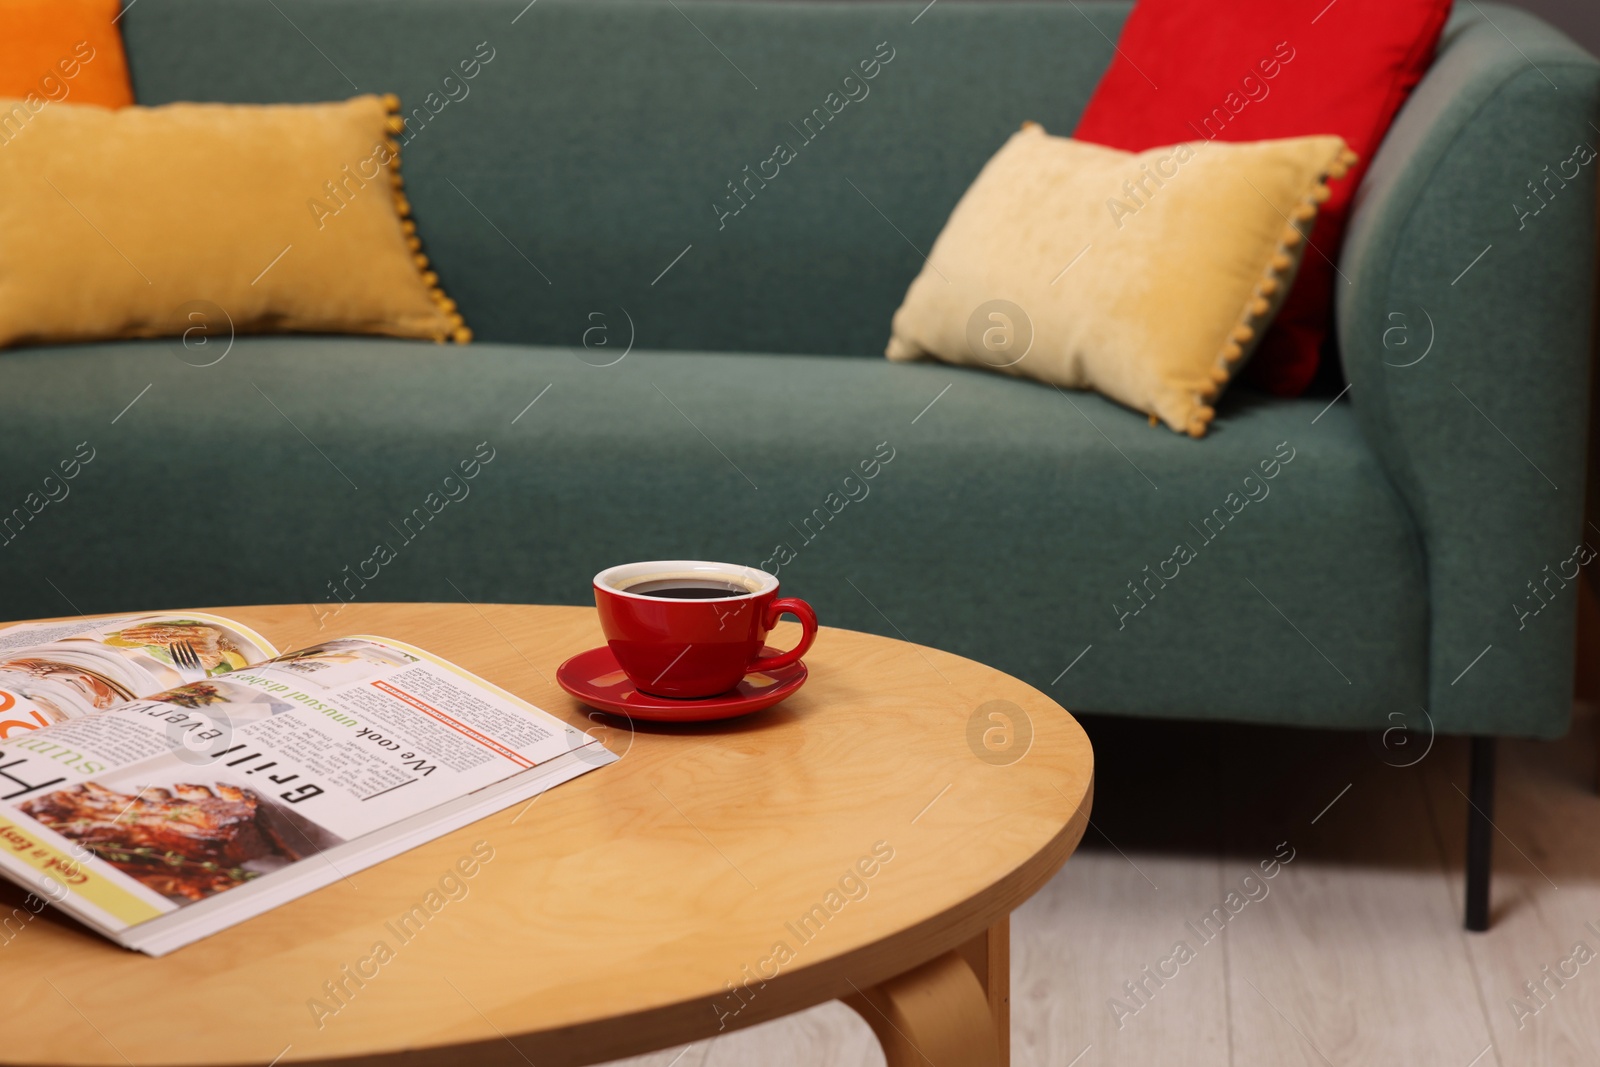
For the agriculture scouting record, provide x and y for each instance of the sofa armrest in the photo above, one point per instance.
(1464, 313)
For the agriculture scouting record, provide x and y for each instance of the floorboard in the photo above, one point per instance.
(1546, 891)
(1356, 954)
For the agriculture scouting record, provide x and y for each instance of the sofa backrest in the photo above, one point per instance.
(585, 168)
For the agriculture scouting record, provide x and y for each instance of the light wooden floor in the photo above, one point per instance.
(1354, 955)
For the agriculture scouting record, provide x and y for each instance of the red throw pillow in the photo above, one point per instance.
(1255, 70)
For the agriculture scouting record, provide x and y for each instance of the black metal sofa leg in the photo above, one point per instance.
(1480, 791)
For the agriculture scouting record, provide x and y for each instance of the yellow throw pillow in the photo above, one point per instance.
(131, 222)
(1147, 277)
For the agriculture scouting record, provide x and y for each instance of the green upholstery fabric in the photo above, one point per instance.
(597, 140)
(1005, 527)
(573, 189)
(1485, 438)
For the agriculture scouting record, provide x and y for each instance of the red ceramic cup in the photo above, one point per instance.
(691, 628)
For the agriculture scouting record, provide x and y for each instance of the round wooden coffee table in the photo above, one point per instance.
(866, 840)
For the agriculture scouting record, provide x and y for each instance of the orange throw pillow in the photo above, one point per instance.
(55, 50)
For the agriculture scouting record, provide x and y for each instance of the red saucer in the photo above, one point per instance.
(594, 678)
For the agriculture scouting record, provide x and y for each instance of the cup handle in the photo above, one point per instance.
(788, 605)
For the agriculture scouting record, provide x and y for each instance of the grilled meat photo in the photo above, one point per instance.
(187, 842)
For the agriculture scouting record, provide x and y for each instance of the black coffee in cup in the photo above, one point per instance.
(687, 588)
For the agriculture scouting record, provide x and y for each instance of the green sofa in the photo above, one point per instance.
(705, 372)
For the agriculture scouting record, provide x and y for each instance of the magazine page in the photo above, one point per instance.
(52, 671)
(216, 786)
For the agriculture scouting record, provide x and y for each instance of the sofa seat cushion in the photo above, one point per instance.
(997, 518)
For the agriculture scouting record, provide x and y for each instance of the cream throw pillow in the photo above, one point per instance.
(1147, 277)
(149, 221)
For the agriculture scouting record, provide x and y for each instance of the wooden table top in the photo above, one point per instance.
(905, 800)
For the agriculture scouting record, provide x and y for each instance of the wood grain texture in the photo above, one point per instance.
(1094, 929)
(631, 909)
(935, 1013)
(829, 1034)
(989, 956)
(1545, 895)
(1359, 942)
(1394, 984)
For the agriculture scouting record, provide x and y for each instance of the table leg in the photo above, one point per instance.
(954, 1010)
(989, 956)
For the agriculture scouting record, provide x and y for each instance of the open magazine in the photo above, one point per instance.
(163, 777)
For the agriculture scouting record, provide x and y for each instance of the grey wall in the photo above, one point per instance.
(1580, 19)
